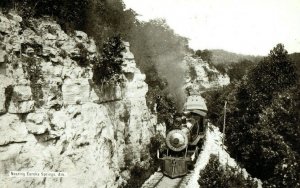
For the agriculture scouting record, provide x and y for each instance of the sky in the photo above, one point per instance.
(250, 27)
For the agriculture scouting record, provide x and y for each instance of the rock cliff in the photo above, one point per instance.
(52, 116)
(201, 76)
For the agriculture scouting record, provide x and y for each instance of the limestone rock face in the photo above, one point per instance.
(21, 107)
(11, 129)
(21, 93)
(54, 118)
(21, 100)
(37, 123)
(206, 77)
(5, 83)
(77, 91)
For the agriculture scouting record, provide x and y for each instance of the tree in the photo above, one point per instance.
(262, 120)
(238, 70)
(205, 55)
(110, 62)
(215, 175)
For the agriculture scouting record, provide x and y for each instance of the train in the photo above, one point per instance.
(185, 138)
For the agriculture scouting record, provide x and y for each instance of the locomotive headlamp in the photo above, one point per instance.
(177, 140)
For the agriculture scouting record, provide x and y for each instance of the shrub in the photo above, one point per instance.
(193, 73)
(34, 71)
(238, 70)
(63, 53)
(215, 175)
(210, 74)
(138, 175)
(83, 59)
(68, 13)
(111, 61)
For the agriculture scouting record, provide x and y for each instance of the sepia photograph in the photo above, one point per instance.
(149, 94)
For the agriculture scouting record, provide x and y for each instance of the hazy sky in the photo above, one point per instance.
(241, 26)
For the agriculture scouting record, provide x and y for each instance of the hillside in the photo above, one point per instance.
(263, 119)
(225, 57)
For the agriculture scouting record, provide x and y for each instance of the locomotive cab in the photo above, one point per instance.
(184, 141)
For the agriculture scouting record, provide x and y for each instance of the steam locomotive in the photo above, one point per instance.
(185, 138)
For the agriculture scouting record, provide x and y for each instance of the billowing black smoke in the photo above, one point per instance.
(171, 69)
(159, 53)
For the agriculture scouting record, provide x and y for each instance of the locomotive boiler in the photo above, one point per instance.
(185, 138)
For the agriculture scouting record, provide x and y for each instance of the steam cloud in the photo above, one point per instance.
(170, 67)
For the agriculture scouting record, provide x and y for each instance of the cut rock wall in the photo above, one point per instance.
(52, 117)
(207, 77)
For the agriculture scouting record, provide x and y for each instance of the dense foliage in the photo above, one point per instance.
(69, 13)
(205, 55)
(111, 61)
(99, 18)
(33, 69)
(263, 119)
(238, 70)
(216, 176)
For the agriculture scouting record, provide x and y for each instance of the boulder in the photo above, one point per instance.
(4, 25)
(4, 83)
(81, 36)
(2, 100)
(62, 36)
(129, 66)
(29, 36)
(15, 17)
(49, 36)
(21, 107)
(109, 92)
(37, 129)
(36, 118)
(21, 93)
(47, 50)
(92, 48)
(11, 129)
(77, 91)
(127, 55)
(2, 56)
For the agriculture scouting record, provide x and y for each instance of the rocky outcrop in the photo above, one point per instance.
(201, 76)
(12, 130)
(54, 118)
(5, 92)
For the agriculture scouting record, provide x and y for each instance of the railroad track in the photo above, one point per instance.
(158, 180)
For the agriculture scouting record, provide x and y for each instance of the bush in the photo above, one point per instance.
(193, 73)
(111, 61)
(205, 55)
(238, 70)
(216, 176)
(83, 59)
(138, 175)
(68, 13)
(34, 71)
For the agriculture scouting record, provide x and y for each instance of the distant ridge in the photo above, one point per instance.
(224, 57)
